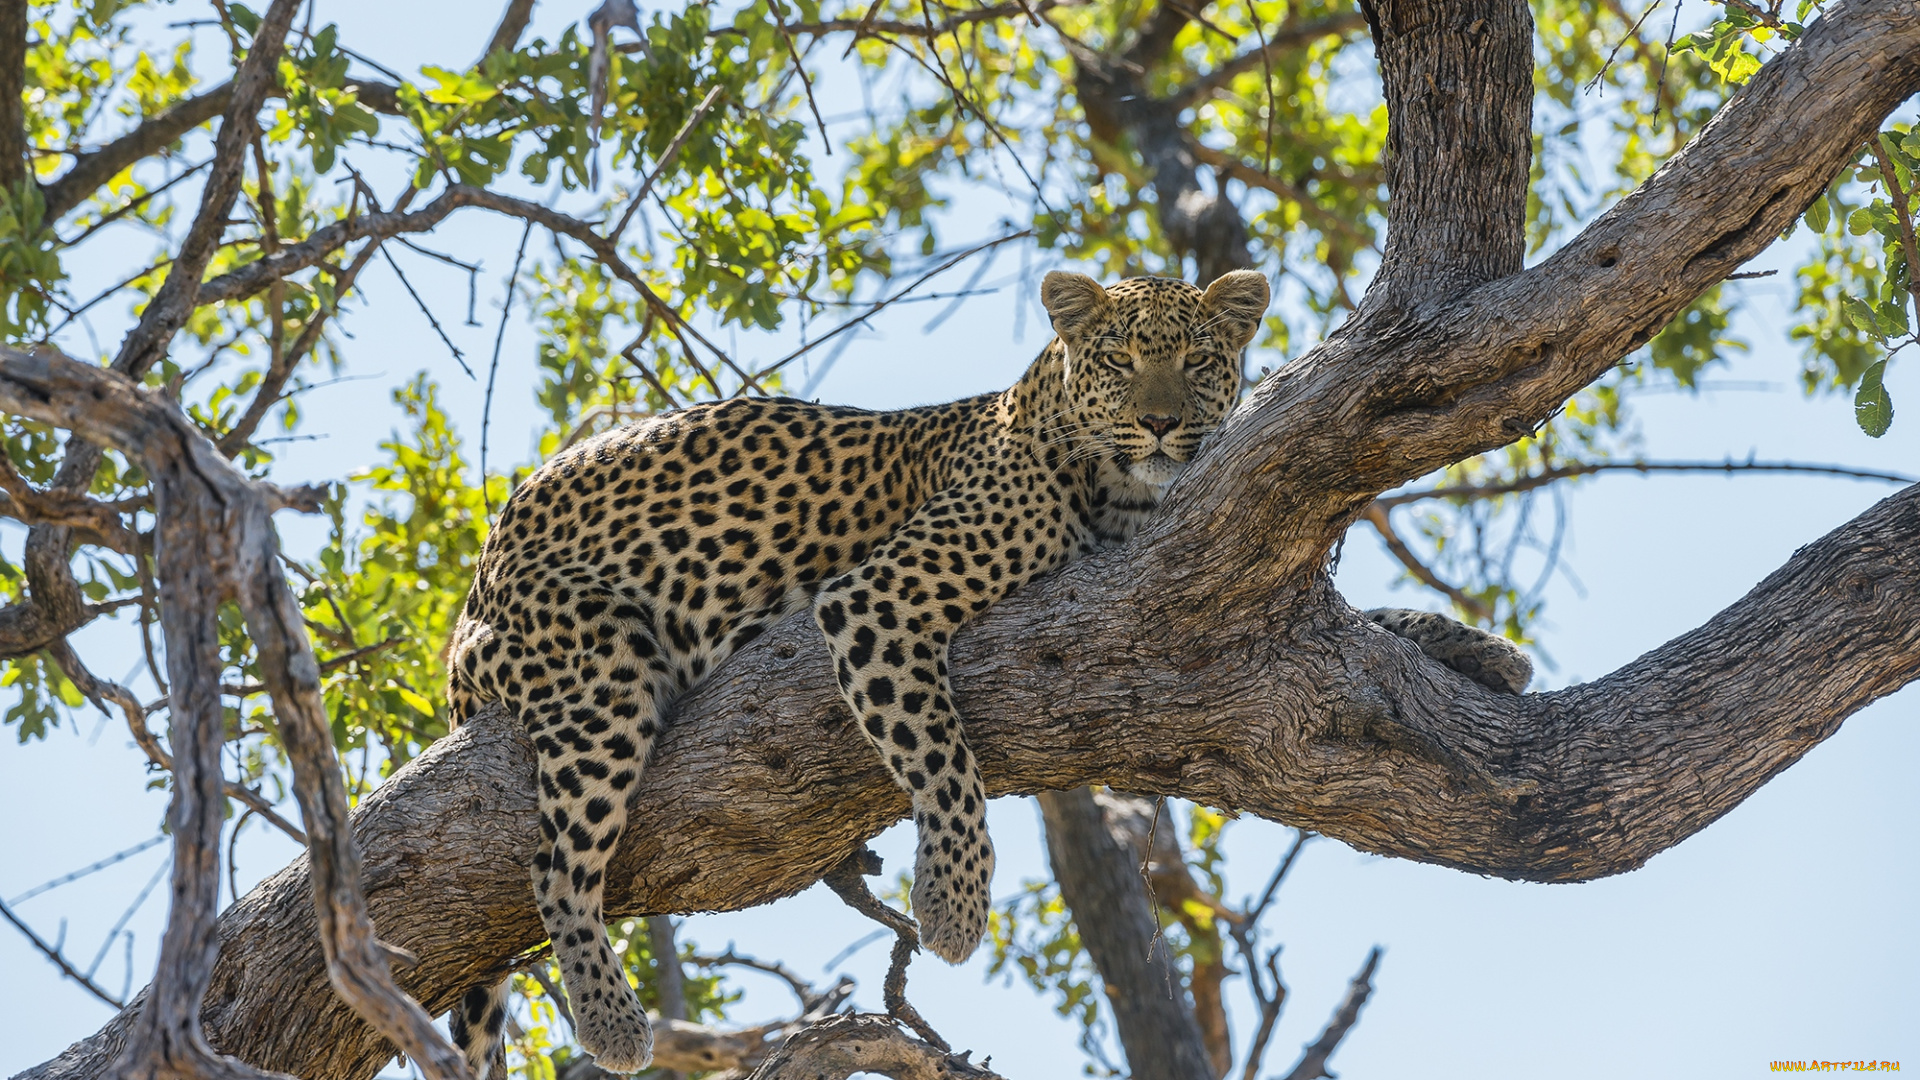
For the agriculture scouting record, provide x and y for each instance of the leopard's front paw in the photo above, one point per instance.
(950, 896)
(612, 1028)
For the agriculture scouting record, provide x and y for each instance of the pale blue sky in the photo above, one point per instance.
(1785, 930)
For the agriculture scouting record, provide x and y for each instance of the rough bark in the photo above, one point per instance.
(1230, 672)
(13, 73)
(1458, 78)
(1101, 881)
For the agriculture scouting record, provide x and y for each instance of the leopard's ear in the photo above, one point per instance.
(1076, 302)
(1235, 302)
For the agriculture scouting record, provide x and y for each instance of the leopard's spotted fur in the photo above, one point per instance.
(627, 568)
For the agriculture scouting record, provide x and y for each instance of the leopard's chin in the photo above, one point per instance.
(1156, 470)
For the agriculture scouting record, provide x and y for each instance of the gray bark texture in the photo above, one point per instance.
(1211, 659)
(1101, 880)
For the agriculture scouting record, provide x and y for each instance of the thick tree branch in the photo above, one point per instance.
(1298, 711)
(1398, 391)
(1458, 80)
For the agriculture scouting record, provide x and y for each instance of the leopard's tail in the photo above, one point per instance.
(476, 1023)
(1488, 659)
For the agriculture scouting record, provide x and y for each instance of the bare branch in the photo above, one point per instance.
(1313, 1062)
(841, 1046)
(59, 959)
(513, 23)
(214, 540)
(868, 26)
(175, 299)
(1291, 34)
(1566, 472)
(24, 503)
(897, 295)
(1376, 516)
(268, 394)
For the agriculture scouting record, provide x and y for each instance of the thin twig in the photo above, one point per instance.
(666, 158)
(111, 860)
(1376, 515)
(59, 960)
(1567, 472)
(458, 356)
(493, 366)
(877, 308)
(806, 83)
(1903, 213)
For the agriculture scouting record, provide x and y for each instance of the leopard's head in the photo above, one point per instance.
(1152, 364)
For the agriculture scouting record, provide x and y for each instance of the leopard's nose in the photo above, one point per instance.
(1160, 425)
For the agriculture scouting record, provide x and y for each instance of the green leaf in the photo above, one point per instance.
(1872, 405)
(420, 704)
(1820, 214)
(1862, 316)
(1860, 222)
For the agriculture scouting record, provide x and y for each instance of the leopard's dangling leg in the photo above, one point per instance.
(887, 625)
(589, 692)
(1488, 659)
(475, 1023)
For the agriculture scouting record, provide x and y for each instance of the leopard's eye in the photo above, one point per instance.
(1114, 353)
(1199, 351)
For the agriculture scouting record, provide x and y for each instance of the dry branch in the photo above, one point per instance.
(214, 541)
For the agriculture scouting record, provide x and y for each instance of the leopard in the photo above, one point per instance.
(627, 568)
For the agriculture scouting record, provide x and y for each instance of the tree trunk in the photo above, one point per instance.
(1100, 879)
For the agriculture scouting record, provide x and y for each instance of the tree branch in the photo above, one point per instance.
(1121, 110)
(1399, 392)
(1101, 882)
(1313, 1062)
(214, 541)
(1288, 35)
(59, 959)
(1376, 516)
(94, 168)
(870, 27)
(1458, 80)
(844, 1045)
(513, 23)
(13, 81)
(1567, 472)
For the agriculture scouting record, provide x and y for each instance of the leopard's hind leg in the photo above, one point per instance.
(1488, 659)
(476, 1022)
(590, 688)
